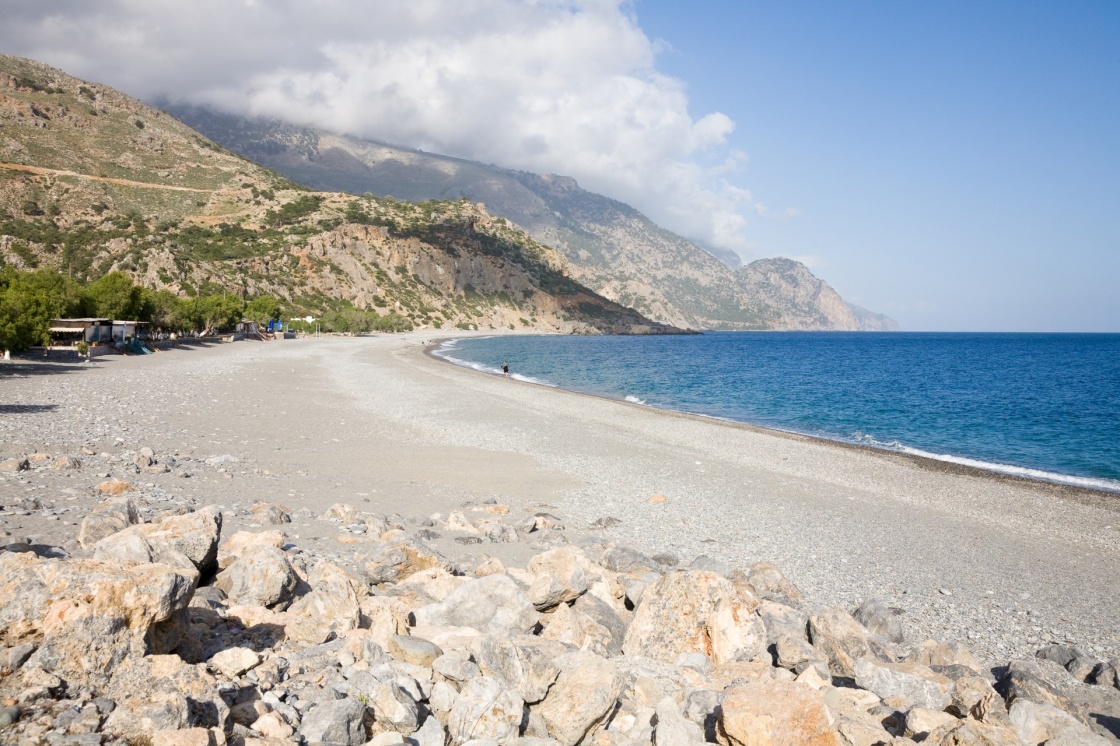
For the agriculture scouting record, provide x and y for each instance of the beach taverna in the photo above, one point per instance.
(68, 332)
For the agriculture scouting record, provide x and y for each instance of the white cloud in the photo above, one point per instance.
(568, 87)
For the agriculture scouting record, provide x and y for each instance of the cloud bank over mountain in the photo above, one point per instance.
(546, 85)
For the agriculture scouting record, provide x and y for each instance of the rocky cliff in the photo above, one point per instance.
(611, 247)
(92, 181)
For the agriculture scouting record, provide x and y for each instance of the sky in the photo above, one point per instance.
(953, 164)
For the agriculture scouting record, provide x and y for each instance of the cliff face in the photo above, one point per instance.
(610, 246)
(92, 181)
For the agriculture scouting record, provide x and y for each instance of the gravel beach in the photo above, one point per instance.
(1001, 564)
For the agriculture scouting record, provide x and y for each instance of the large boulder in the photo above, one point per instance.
(560, 577)
(1039, 723)
(393, 561)
(914, 682)
(839, 639)
(340, 721)
(696, 612)
(880, 619)
(486, 709)
(107, 518)
(88, 615)
(526, 662)
(335, 598)
(263, 576)
(235, 545)
(775, 713)
(493, 604)
(193, 535)
(583, 695)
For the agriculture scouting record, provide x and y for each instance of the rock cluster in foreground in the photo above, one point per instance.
(166, 632)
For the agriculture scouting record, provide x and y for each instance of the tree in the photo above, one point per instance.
(262, 309)
(28, 302)
(113, 296)
(164, 309)
(210, 313)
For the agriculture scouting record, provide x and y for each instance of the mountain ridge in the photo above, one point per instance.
(93, 181)
(611, 247)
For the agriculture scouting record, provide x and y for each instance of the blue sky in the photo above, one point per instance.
(953, 164)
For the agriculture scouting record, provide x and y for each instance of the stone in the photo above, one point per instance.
(584, 694)
(1033, 680)
(130, 546)
(430, 733)
(486, 709)
(66, 463)
(456, 667)
(1040, 723)
(773, 713)
(572, 627)
(839, 639)
(262, 576)
(769, 584)
(236, 544)
(526, 662)
(920, 722)
(9, 715)
(394, 706)
(784, 621)
(232, 662)
(880, 619)
(272, 725)
(930, 653)
(625, 560)
(89, 615)
(14, 465)
(184, 737)
(414, 650)
(107, 518)
(340, 721)
(394, 561)
(560, 577)
(267, 514)
(334, 600)
(696, 611)
(341, 512)
(913, 681)
(972, 733)
(1070, 657)
(492, 604)
(673, 729)
(193, 535)
(114, 487)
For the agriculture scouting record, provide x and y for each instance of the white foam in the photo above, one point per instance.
(634, 400)
(444, 353)
(1109, 485)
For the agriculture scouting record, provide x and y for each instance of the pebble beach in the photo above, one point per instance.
(1003, 565)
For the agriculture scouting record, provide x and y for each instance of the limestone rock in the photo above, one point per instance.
(775, 714)
(582, 696)
(395, 707)
(341, 512)
(839, 639)
(572, 627)
(486, 709)
(414, 650)
(974, 697)
(971, 733)
(194, 535)
(560, 577)
(920, 722)
(526, 662)
(235, 545)
(14, 465)
(66, 463)
(334, 598)
(233, 662)
(267, 514)
(393, 561)
(768, 583)
(109, 517)
(114, 486)
(263, 576)
(913, 681)
(930, 653)
(880, 619)
(341, 721)
(1041, 723)
(696, 612)
(491, 604)
(673, 729)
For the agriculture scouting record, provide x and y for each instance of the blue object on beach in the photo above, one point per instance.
(1041, 405)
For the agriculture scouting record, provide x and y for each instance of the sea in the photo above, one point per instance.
(1042, 406)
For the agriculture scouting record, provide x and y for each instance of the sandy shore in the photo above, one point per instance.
(1002, 564)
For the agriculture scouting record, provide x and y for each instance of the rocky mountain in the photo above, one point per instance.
(93, 181)
(611, 247)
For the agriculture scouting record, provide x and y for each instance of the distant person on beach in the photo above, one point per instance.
(505, 369)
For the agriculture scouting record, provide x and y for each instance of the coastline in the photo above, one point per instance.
(1102, 497)
(993, 561)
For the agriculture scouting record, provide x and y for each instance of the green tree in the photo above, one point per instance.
(28, 302)
(164, 310)
(114, 296)
(262, 309)
(213, 313)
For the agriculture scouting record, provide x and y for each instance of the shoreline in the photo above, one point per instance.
(1095, 496)
(996, 563)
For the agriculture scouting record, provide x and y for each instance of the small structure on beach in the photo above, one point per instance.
(123, 330)
(68, 332)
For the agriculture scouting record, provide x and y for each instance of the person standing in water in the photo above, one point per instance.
(505, 369)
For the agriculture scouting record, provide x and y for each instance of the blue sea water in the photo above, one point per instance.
(1039, 405)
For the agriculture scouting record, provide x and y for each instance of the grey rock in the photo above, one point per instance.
(491, 604)
(14, 465)
(912, 681)
(262, 576)
(107, 518)
(340, 721)
(628, 561)
(486, 709)
(525, 662)
(880, 619)
(839, 639)
(414, 650)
